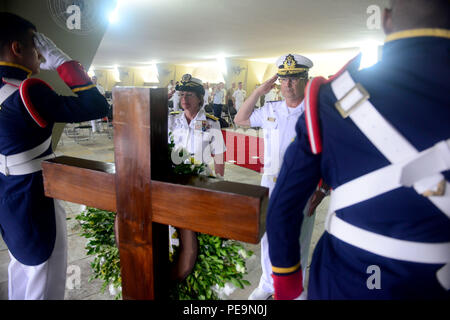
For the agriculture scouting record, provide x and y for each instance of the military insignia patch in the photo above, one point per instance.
(289, 61)
(202, 125)
(271, 119)
(290, 65)
(186, 78)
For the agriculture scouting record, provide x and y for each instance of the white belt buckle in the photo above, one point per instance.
(365, 96)
(3, 166)
(439, 192)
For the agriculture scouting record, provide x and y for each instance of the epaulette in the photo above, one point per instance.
(29, 106)
(175, 112)
(312, 104)
(210, 116)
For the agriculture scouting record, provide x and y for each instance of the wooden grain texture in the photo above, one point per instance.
(80, 181)
(226, 209)
(133, 179)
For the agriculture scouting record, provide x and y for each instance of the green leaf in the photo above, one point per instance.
(237, 283)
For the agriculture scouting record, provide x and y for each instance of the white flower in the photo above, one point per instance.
(222, 293)
(243, 253)
(113, 290)
(180, 155)
(240, 268)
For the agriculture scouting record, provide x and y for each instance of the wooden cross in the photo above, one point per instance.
(147, 197)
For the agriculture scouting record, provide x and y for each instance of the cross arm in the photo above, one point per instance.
(226, 209)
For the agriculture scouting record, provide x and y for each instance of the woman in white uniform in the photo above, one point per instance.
(199, 134)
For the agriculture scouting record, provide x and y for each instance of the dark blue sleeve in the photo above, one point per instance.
(298, 178)
(86, 105)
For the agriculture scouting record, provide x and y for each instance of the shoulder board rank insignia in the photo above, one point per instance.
(175, 112)
(210, 116)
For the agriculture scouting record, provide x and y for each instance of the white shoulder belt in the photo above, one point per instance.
(24, 162)
(409, 168)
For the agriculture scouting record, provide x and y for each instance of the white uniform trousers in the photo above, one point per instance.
(266, 281)
(46, 281)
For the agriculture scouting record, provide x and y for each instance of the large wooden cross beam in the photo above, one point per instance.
(146, 197)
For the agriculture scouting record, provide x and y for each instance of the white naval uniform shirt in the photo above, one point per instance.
(201, 138)
(270, 96)
(278, 122)
(206, 98)
(176, 101)
(239, 95)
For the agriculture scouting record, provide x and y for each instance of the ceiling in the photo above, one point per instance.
(188, 31)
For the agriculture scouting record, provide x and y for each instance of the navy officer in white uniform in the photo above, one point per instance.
(200, 135)
(278, 119)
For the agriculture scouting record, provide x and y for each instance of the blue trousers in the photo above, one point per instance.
(217, 110)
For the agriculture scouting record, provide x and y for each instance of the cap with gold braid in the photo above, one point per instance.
(188, 83)
(293, 65)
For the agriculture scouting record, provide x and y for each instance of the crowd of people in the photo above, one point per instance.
(377, 138)
(219, 101)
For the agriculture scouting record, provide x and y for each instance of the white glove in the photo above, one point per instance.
(54, 57)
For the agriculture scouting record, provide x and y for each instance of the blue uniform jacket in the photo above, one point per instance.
(410, 87)
(27, 220)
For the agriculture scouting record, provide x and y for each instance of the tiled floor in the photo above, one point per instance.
(99, 146)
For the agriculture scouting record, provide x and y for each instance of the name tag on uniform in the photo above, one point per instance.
(271, 119)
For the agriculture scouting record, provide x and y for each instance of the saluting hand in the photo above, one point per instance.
(54, 57)
(266, 86)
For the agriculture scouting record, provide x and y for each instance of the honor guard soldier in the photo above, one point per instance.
(380, 138)
(278, 119)
(32, 225)
(198, 133)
